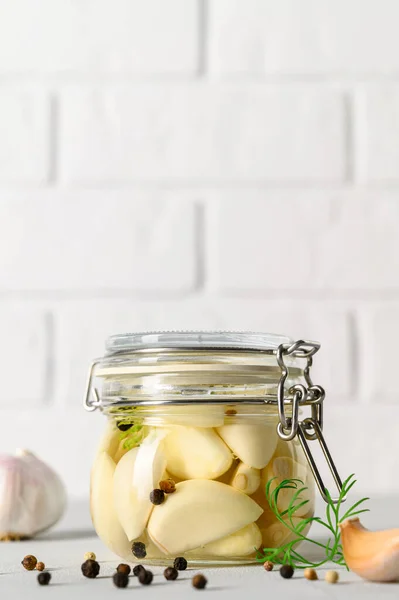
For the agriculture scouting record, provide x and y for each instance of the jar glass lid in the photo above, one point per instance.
(131, 342)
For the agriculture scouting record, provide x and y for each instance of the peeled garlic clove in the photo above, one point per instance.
(32, 496)
(227, 477)
(253, 444)
(193, 453)
(167, 475)
(102, 509)
(137, 474)
(241, 543)
(282, 468)
(274, 533)
(292, 449)
(246, 479)
(120, 451)
(267, 517)
(374, 555)
(110, 441)
(199, 512)
(277, 533)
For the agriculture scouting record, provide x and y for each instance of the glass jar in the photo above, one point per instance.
(201, 428)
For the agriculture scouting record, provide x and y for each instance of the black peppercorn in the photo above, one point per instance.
(138, 549)
(180, 563)
(120, 579)
(124, 426)
(286, 571)
(171, 573)
(122, 568)
(137, 570)
(90, 568)
(199, 581)
(44, 578)
(157, 496)
(145, 577)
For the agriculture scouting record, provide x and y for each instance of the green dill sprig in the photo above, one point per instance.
(287, 553)
(133, 436)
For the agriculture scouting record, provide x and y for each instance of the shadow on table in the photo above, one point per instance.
(70, 534)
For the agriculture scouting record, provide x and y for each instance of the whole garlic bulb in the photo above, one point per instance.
(32, 496)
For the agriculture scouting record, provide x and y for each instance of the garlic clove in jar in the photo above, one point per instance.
(268, 517)
(193, 453)
(246, 479)
(241, 543)
(253, 444)
(281, 468)
(32, 496)
(120, 451)
(200, 511)
(292, 450)
(102, 509)
(276, 534)
(374, 555)
(137, 474)
(110, 440)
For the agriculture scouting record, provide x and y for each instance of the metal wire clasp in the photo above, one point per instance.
(88, 403)
(311, 428)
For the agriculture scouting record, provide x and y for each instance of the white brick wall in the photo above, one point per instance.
(308, 37)
(97, 242)
(198, 164)
(99, 36)
(378, 130)
(329, 241)
(202, 132)
(24, 136)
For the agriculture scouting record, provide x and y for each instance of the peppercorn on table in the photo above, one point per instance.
(63, 551)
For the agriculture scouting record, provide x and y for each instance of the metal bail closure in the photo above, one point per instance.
(88, 403)
(308, 429)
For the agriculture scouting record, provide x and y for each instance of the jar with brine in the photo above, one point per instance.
(201, 428)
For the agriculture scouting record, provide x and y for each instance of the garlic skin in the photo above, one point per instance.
(374, 555)
(32, 496)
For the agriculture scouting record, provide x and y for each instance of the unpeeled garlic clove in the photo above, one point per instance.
(246, 479)
(374, 555)
(253, 444)
(32, 496)
(199, 512)
(196, 453)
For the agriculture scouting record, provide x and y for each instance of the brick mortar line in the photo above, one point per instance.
(200, 76)
(203, 32)
(206, 186)
(303, 295)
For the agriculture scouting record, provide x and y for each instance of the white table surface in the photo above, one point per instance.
(62, 550)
